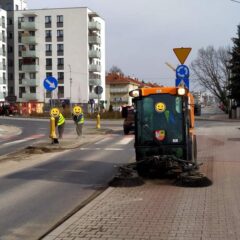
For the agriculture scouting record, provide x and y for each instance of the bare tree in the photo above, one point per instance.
(115, 69)
(211, 70)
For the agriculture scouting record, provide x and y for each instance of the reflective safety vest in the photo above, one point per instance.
(81, 119)
(61, 120)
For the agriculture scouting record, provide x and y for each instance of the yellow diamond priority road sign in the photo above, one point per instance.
(182, 54)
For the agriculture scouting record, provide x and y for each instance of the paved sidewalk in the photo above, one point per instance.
(158, 210)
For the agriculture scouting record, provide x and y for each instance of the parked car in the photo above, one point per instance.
(8, 109)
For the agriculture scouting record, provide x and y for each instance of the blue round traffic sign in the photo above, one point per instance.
(50, 83)
(182, 71)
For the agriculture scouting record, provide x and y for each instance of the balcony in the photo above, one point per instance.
(29, 53)
(94, 54)
(2, 81)
(93, 95)
(30, 68)
(28, 40)
(28, 25)
(119, 90)
(94, 68)
(92, 25)
(94, 81)
(119, 100)
(2, 96)
(29, 96)
(30, 82)
(94, 40)
(60, 95)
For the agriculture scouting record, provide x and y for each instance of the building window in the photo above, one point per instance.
(48, 64)
(60, 21)
(61, 77)
(21, 91)
(60, 35)
(3, 22)
(31, 19)
(21, 77)
(32, 89)
(60, 49)
(60, 63)
(48, 21)
(32, 75)
(48, 74)
(21, 48)
(48, 35)
(10, 21)
(32, 47)
(60, 92)
(20, 20)
(4, 78)
(4, 50)
(32, 33)
(3, 36)
(16, 7)
(48, 49)
(10, 35)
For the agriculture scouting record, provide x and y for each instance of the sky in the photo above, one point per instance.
(141, 34)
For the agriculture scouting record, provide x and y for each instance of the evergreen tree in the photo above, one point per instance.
(234, 81)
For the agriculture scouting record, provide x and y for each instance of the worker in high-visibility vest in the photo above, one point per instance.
(60, 122)
(78, 118)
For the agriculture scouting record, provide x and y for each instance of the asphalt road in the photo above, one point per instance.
(33, 130)
(36, 198)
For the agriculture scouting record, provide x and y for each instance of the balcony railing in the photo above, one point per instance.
(94, 40)
(119, 100)
(92, 25)
(29, 53)
(30, 82)
(119, 90)
(30, 68)
(93, 95)
(94, 81)
(94, 54)
(29, 96)
(28, 39)
(28, 25)
(60, 95)
(94, 68)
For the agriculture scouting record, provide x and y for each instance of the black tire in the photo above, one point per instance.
(126, 131)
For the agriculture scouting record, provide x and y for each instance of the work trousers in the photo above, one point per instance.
(79, 127)
(60, 130)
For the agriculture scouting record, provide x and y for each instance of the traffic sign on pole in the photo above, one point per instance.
(50, 83)
(182, 82)
(182, 54)
(182, 71)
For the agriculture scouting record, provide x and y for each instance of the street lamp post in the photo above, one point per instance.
(70, 69)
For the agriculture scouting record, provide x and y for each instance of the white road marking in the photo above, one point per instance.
(104, 149)
(103, 140)
(125, 140)
(23, 140)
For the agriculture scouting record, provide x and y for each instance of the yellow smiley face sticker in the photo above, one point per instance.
(54, 112)
(77, 110)
(160, 107)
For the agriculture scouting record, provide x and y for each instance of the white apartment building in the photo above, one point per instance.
(10, 6)
(68, 44)
(3, 55)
